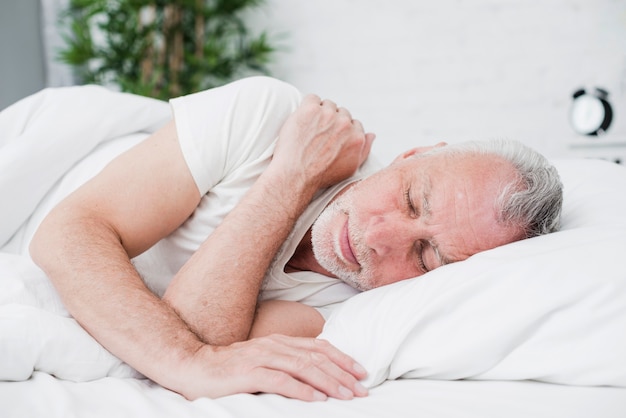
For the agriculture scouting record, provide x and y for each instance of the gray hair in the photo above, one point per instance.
(534, 200)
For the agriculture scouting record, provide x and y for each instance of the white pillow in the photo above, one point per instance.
(551, 308)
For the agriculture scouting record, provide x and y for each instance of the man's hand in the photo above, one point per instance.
(300, 368)
(321, 143)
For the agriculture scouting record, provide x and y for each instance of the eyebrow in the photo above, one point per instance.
(426, 191)
(443, 260)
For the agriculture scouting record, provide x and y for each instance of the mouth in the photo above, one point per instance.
(346, 247)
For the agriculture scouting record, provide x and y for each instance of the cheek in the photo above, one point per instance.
(392, 271)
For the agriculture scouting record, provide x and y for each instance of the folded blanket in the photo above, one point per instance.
(44, 135)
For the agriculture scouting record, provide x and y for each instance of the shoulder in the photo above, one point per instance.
(258, 91)
(221, 129)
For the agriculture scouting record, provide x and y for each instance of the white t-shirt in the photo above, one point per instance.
(227, 136)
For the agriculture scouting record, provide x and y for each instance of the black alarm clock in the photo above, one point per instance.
(591, 113)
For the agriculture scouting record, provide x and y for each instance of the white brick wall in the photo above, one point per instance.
(417, 72)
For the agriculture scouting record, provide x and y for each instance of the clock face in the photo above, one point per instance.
(588, 114)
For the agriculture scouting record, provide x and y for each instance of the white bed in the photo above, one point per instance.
(532, 329)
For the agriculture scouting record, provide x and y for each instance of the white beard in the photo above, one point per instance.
(326, 249)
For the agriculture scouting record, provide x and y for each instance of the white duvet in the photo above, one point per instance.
(49, 144)
(551, 308)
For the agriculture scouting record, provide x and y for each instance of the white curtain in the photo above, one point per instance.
(57, 73)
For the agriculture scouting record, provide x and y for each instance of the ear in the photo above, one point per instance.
(418, 150)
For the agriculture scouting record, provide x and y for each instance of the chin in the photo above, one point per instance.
(357, 280)
(325, 236)
(326, 257)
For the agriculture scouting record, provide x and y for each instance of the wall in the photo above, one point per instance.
(417, 72)
(21, 51)
(414, 72)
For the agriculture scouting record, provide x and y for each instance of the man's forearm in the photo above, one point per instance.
(131, 322)
(216, 291)
(113, 304)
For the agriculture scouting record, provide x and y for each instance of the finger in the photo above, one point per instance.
(344, 112)
(295, 373)
(261, 365)
(335, 368)
(314, 370)
(358, 125)
(367, 147)
(280, 383)
(340, 358)
(316, 363)
(329, 104)
(367, 143)
(311, 99)
(349, 384)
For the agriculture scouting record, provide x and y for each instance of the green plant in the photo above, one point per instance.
(162, 48)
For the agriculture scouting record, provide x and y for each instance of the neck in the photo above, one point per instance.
(304, 260)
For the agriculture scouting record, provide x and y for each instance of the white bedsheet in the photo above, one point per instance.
(46, 397)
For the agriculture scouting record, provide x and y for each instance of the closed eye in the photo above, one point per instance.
(412, 209)
(420, 258)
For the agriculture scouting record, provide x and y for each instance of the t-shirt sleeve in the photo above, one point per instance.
(222, 128)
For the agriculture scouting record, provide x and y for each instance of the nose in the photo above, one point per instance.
(384, 234)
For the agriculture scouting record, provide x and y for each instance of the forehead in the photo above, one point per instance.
(458, 194)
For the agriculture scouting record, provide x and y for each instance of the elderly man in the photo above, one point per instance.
(255, 193)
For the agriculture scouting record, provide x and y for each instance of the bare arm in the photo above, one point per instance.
(86, 242)
(216, 291)
(85, 246)
(286, 318)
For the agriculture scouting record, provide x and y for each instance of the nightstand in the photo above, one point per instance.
(613, 150)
